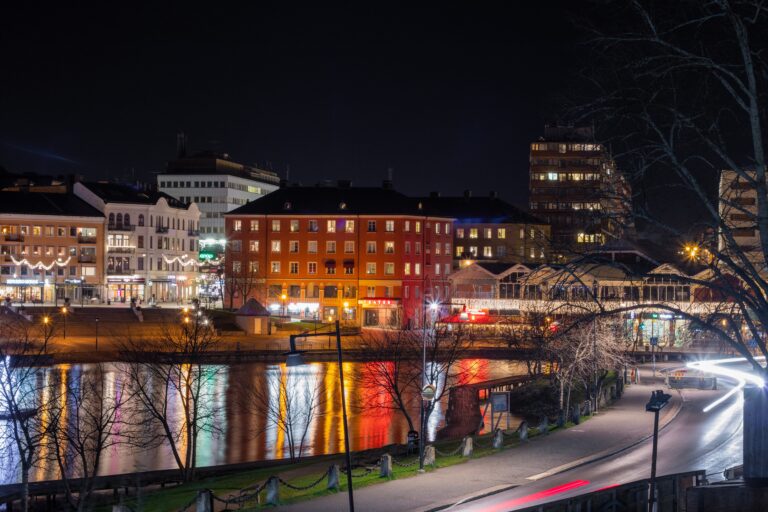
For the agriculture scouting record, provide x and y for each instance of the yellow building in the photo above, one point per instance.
(52, 247)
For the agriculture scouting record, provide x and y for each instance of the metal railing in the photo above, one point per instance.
(121, 227)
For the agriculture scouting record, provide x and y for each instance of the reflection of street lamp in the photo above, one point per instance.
(658, 401)
(64, 312)
(295, 358)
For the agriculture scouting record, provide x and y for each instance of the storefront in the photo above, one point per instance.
(660, 329)
(23, 290)
(381, 312)
(122, 289)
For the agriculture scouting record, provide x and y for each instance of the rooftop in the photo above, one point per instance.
(208, 162)
(42, 203)
(485, 209)
(126, 194)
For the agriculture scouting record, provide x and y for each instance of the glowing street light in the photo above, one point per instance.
(64, 313)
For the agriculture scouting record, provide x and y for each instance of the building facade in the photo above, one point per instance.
(52, 247)
(576, 189)
(217, 185)
(366, 256)
(737, 206)
(151, 243)
(492, 230)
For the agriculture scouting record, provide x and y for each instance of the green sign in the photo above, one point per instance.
(206, 255)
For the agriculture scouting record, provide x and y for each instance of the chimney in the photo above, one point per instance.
(181, 145)
(467, 194)
(434, 194)
(387, 183)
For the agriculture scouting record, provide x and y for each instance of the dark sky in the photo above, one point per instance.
(449, 96)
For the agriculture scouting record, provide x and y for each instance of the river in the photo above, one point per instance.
(240, 432)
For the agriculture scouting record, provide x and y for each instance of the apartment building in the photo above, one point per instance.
(151, 242)
(576, 188)
(490, 229)
(52, 247)
(364, 255)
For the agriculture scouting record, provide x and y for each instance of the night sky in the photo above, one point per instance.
(449, 96)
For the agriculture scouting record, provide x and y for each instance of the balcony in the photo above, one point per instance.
(14, 237)
(193, 232)
(121, 227)
(84, 239)
(121, 250)
(161, 229)
(119, 271)
(86, 258)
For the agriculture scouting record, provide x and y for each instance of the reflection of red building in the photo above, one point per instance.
(366, 256)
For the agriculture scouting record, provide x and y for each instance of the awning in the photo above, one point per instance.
(349, 263)
(330, 263)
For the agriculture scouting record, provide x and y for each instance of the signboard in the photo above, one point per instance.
(206, 255)
(500, 401)
(654, 340)
(24, 282)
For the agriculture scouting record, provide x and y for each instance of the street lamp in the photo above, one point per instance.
(658, 401)
(46, 332)
(64, 312)
(283, 298)
(296, 358)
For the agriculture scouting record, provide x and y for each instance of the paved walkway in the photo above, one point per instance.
(618, 426)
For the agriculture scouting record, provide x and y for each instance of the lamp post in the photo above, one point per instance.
(46, 333)
(658, 401)
(296, 358)
(97, 333)
(283, 298)
(64, 313)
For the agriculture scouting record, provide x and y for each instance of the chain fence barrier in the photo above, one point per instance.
(405, 464)
(449, 454)
(303, 487)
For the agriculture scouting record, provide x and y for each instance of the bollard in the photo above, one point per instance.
(466, 446)
(587, 408)
(429, 455)
(544, 426)
(575, 416)
(204, 501)
(333, 478)
(273, 491)
(498, 439)
(386, 466)
(523, 431)
(561, 420)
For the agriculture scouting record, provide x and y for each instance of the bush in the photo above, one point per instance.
(534, 400)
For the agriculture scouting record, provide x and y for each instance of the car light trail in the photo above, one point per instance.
(499, 507)
(741, 377)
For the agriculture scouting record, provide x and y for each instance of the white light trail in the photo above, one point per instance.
(741, 377)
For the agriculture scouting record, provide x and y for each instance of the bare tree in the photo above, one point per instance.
(288, 400)
(88, 422)
(174, 388)
(26, 394)
(242, 281)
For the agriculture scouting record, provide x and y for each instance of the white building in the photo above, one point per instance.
(738, 209)
(152, 243)
(217, 185)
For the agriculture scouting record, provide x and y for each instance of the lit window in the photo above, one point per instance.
(312, 247)
(236, 267)
(237, 225)
(487, 251)
(275, 225)
(417, 269)
(437, 270)
(275, 266)
(552, 176)
(407, 226)
(389, 269)
(473, 233)
(460, 233)
(459, 251)
(330, 226)
(293, 267)
(501, 233)
(253, 266)
(254, 225)
(447, 228)
(473, 251)
(418, 226)
(349, 247)
(389, 226)
(370, 268)
(437, 228)
(407, 269)
(349, 226)
(488, 233)
(370, 247)
(293, 246)
(330, 247)
(275, 245)
(312, 267)
(294, 226)
(389, 247)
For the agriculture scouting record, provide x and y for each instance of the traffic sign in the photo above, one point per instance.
(654, 340)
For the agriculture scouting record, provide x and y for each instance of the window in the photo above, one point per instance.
(237, 245)
(253, 246)
(473, 251)
(418, 247)
(294, 227)
(473, 233)
(254, 225)
(349, 247)
(407, 247)
(522, 233)
(293, 246)
(330, 247)
(501, 233)
(407, 269)
(236, 267)
(501, 251)
(275, 225)
(405, 292)
(370, 268)
(416, 292)
(293, 267)
(312, 247)
(275, 245)
(312, 267)
(237, 225)
(389, 269)
(371, 226)
(437, 248)
(460, 233)
(253, 267)
(417, 269)
(330, 226)
(447, 267)
(447, 228)
(447, 248)
(330, 292)
(275, 267)
(370, 247)
(349, 270)
(418, 226)
(312, 226)
(389, 247)
(140, 241)
(459, 251)
(370, 291)
(487, 251)
(407, 226)
(437, 228)
(330, 269)
(533, 233)
(389, 226)
(437, 270)
(349, 226)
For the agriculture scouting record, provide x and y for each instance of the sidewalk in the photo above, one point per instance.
(619, 426)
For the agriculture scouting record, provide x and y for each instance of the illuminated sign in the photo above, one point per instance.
(24, 282)
(378, 302)
(206, 255)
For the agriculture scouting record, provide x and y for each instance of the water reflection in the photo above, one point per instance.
(244, 429)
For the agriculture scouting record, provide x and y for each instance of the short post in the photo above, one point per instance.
(204, 501)
(561, 418)
(576, 415)
(658, 401)
(273, 491)
(466, 446)
(386, 466)
(429, 455)
(498, 439)
(523, 431)
(543, 426)
(333, 478)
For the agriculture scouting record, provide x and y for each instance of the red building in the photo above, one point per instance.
(364, 255)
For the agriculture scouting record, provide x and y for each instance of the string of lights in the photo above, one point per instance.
(40, 264)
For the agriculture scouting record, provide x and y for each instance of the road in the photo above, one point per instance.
(710, 441)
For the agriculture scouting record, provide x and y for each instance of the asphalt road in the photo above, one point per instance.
(695, 440)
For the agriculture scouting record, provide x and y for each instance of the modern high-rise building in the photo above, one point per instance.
(738, 210)
(576, 189)
(216, 184)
